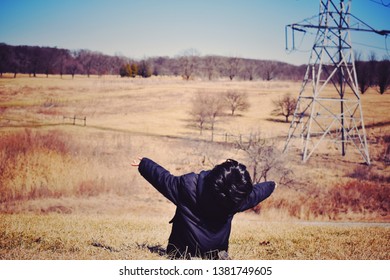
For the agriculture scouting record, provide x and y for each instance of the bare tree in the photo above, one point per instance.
(249, 69)
(199, 111)
(144, 69)
(237, 101)
(86, 59)
(11, 60)
(63, 57)
(210, 66)
(206, 108)
(101, 63)
(48, 59)
(188, 62)
(265, 159)
(268, 70)
(215, 109)
(361, 72)
(5, 55)
(73, 65)
(372, 67)
(232, 67)
(285, 106)
(383, 75)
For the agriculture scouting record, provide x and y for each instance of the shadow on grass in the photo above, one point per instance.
(276, 120)
(156, 249)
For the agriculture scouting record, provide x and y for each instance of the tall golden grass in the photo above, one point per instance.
(43, 164)
(52, 164)
(353, 200)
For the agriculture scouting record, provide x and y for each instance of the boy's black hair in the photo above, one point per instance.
(230, 183)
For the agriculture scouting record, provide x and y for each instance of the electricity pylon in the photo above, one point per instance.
(329, 103)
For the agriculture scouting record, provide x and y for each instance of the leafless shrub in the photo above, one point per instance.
(265, 159)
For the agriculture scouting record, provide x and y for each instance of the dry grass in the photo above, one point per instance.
(82, 174)
(34, 165)
(267, 240)
(78, 237)
(353, 200)
(144, 237)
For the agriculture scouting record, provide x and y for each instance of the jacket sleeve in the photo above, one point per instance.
(160, 178)
(259, 193)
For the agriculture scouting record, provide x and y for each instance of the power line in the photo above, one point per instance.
(387, 5)
(306, 24)
(370, 46)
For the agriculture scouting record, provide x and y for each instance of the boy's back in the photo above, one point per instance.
(202, 224)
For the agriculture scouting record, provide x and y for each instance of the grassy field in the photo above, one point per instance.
(54, 236)
(68, 191)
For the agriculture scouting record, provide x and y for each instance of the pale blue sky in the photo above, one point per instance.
(145, 28)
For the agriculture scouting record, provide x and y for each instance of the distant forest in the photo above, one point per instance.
(189, 64)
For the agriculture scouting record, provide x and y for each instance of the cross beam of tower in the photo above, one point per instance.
(329, 103)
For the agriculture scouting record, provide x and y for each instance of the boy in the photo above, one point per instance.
(205, 205)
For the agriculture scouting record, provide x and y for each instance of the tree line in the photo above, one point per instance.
(33, 60)
(373, 73)
(188, 64)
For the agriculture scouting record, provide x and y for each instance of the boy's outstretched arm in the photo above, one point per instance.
(260, 192)
(160, 178)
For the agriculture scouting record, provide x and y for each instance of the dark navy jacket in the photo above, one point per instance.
(199, 225)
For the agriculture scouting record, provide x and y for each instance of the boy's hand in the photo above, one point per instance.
(136, 162)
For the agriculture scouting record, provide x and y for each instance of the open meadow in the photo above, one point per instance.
(67, 190)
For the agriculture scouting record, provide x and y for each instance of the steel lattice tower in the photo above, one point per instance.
(329, 103)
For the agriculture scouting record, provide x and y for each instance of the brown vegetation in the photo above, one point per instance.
(84, 162)
(54, 175)
(130, 237)
(35, 165)
(362, 200)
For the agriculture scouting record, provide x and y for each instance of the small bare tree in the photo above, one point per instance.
(215, 109)
(206, 108)
(237, 101)
(285, 106)
(265, 159)
(199, 111)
